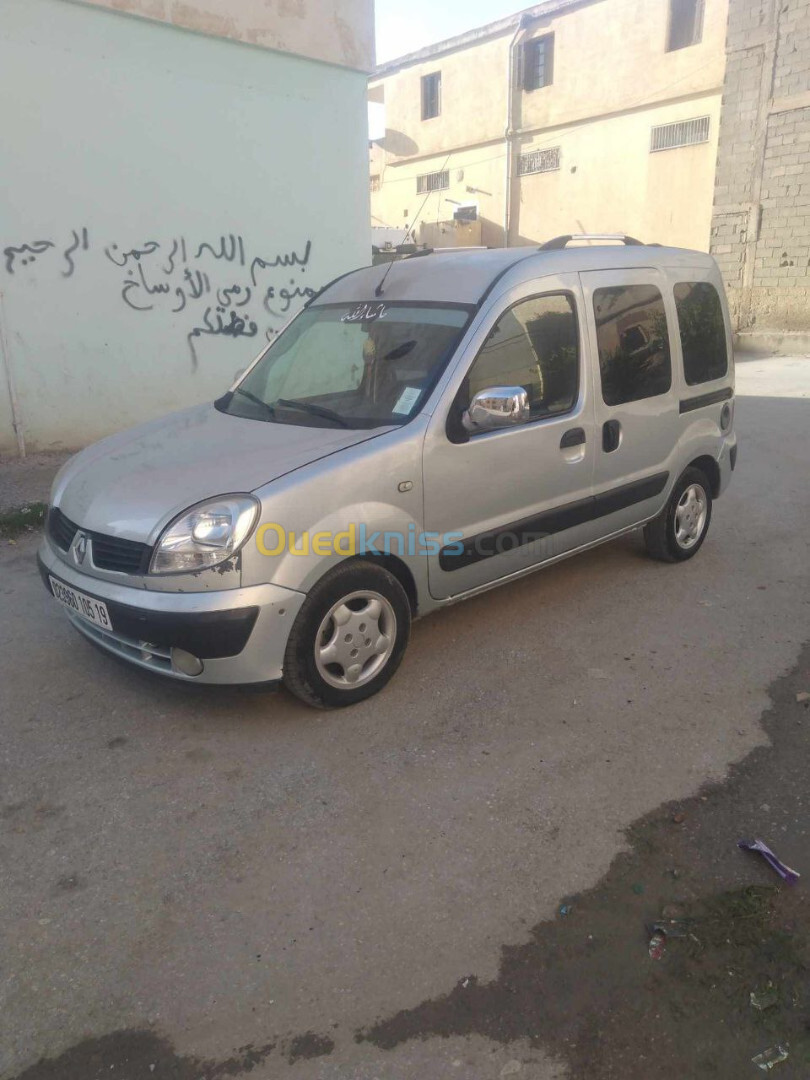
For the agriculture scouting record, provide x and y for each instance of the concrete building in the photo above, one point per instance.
(573, 116)
(761, 226)
(177, 178)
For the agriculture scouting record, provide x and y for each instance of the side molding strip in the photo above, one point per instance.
(528, 530)
(688, 404)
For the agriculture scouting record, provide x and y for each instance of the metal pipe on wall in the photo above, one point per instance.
(523, 22)
(16, 417)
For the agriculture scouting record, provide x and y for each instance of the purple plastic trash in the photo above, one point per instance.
(784, 872)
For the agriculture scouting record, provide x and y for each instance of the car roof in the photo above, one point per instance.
(466, 277)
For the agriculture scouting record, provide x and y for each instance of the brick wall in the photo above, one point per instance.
(792, 69)
(761, 220)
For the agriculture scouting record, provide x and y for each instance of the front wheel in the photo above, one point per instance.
(680, 529)
(349, 636)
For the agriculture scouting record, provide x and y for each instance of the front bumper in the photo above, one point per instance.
(239, 634)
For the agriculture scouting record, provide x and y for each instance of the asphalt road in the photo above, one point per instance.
(222, 883)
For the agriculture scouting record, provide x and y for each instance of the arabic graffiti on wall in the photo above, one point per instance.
(212, 288)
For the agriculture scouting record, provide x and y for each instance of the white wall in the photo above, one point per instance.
(130, 149)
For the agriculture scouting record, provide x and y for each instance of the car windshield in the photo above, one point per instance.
(360, 365)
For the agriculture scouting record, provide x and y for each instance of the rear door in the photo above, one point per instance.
(630, 316)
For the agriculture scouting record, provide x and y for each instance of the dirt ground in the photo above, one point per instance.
(199, 883)
(29, 480)
(584, 988)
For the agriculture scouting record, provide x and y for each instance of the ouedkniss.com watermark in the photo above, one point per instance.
(273, 540)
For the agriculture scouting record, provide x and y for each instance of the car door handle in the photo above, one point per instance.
(611, 436)
(574, 437)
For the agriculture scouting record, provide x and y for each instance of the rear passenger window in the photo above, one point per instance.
(703, 332)
(631, 332)
(533, 345)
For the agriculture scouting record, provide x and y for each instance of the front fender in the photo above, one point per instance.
(314, 519)
(294, 550)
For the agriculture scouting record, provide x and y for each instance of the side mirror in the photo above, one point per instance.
(497, 407)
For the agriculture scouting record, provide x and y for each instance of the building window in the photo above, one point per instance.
(633, 340)
(538, 62)
(431, 95)
(539, 161)
(703, 332)
(533, 345)
(685, 23)
(374, 182)
(434, 181)
(682, 133)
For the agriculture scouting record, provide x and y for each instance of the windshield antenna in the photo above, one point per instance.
(379, 290)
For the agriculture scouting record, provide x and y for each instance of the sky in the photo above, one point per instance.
(403, 27)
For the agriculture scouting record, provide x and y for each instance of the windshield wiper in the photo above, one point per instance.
(256, 400)
(315, 410)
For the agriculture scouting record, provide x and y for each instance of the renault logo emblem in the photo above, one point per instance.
(79, 548)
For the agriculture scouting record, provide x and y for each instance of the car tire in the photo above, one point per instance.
(677, 534)
(349, 636)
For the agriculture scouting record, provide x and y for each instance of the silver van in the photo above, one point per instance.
(420, 432)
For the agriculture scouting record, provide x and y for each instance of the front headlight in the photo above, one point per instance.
(205, 535)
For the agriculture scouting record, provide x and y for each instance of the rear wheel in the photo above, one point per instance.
(349, 636)
(680, 529)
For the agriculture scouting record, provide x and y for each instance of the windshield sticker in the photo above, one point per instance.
(407, 400)
(365, 313)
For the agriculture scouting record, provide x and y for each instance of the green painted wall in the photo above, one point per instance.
(167, 201)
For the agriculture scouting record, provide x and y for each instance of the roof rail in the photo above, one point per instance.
(560, 242)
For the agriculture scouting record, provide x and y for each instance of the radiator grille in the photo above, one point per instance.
(108, 552)
(123, 556)
(61, 529)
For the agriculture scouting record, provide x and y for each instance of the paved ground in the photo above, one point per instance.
(225, 883)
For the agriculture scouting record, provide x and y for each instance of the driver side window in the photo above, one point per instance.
(534, 345)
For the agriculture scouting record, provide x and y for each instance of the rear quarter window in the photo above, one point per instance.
(702, 330)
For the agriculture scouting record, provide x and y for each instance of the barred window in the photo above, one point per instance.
(539, 161)
(374, 182)
(434, 181)
(681, 133)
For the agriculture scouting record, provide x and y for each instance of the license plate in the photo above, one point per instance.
(93, 610)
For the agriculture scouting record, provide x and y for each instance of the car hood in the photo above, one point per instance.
(132, 484)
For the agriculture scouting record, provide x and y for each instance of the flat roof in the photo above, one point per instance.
(465, 277)
(472, 37)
